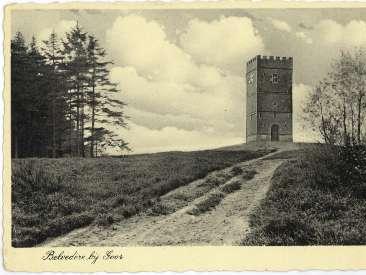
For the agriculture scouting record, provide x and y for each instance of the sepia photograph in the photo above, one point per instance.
(187, 127)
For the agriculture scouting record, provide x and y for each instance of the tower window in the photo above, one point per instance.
(274, 114)
(275, 78)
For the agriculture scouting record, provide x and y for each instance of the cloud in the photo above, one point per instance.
(350, 35)
(148, 50)
(281, 25)
(304, 37)
(145, 140)
(171, 92)
(184, 97)
(218, 107)
(226, 42)
(60, 29)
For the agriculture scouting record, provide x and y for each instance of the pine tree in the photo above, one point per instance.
(74, 51)
(29, 93)
(19, 63)
(101, 101)
(52, 54)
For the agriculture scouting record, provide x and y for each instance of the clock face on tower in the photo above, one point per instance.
(251, 78)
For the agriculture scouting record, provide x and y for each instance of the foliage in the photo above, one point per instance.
(231, 186)
(79, 190)
(316, 199)
(207, 203)
(236, 170)
(62, 99)
(337, 105)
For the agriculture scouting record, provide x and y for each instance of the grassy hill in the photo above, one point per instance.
(317, 197)
(51, 197)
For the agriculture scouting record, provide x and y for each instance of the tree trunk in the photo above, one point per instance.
(54, 94)
(53, 127)
(359, 107)
(352, 125)
(70, 126)
(345, 137)
(82, 146)
(96, 149)
(92, 120)
(326, 139)
(77, 120)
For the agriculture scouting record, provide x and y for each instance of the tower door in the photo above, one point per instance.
(274, 133)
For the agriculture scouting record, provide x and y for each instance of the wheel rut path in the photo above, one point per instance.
(226, 224)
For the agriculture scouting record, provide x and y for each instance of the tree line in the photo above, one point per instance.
(337, 106)
(62, 100)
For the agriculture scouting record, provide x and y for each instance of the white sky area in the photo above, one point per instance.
(181, 72)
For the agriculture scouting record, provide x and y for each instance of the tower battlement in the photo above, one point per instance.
(280, 62)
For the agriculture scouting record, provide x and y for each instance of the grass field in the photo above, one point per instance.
(318, 197)
(51, 197)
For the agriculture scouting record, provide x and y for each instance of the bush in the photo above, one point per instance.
(205, 205)
(26, 237)
(129, 211)
(231, 186)
(158, 209)
(236, 170)
(103, 219)
(249, 174)
(30, 179)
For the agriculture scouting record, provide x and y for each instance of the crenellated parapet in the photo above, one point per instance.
(270, 61)
(252, 64)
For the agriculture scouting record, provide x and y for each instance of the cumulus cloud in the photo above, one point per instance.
(145, 140)
(226, 42)
(219, 107)
(304, 37)
(148, 49)
(348, 35)
(281, 25)
(174, 99)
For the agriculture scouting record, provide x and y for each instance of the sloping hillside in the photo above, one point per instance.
(209, 211)
(51, 197)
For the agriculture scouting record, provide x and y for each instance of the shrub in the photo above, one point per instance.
(216, 179)
(236, 170)
(103, 219)
(30, 178)
(249, 174)
(158, 209)
(180, 196)
(231, 186)
(26, 237)
(205, 205)
(129, 211)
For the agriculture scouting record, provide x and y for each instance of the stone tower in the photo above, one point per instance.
(269, 99)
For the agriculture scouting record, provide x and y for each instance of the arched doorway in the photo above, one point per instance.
(274, 133)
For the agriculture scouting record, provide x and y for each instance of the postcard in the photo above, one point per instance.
(205, 136)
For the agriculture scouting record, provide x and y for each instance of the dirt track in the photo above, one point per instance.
(226, 224)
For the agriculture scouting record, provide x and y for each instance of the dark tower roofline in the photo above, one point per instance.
(270, 57)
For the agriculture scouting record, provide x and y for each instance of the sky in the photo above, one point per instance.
(181, 72)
